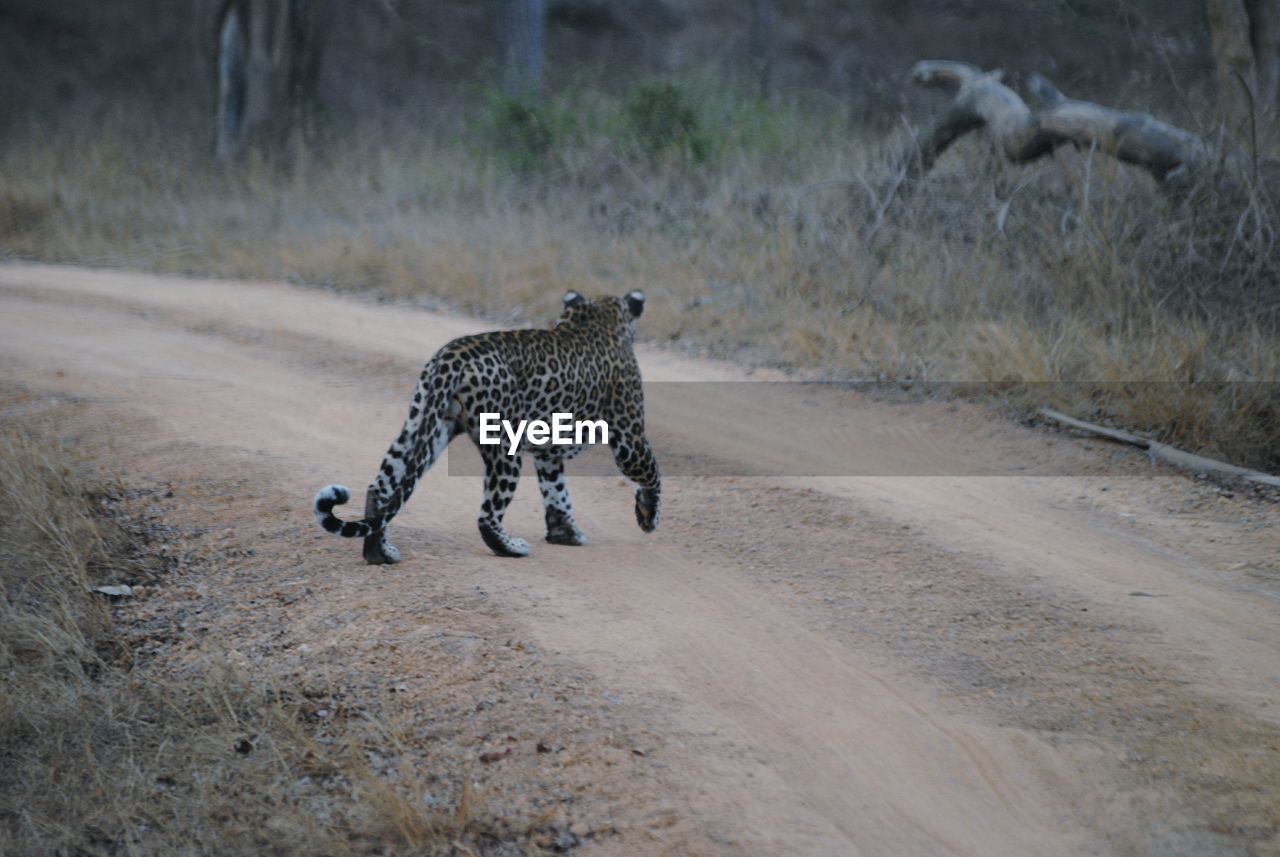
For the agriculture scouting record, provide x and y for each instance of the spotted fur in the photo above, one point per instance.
(584, 365)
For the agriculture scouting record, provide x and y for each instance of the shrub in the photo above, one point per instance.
(660, 121)
(520, 131)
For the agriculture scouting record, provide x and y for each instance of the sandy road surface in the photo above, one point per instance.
(906, 663)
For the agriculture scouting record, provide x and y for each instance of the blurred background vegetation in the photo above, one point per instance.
(730, 158)
(398, 63)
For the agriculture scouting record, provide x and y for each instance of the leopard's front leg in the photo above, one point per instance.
(634, 457)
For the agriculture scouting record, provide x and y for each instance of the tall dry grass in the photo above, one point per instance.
(755, 230)
(97, 758)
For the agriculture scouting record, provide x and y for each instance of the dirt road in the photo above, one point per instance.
(899, 664)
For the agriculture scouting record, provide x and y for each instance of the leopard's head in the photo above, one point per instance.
(613, 313)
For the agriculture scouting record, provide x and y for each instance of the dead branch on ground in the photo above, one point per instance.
(1174, 157)
(1170, 455)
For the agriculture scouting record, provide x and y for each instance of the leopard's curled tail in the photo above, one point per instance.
(425, 434)
(337, 495)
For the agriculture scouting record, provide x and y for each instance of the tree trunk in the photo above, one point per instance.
(268, 60)
(232, 83)
(1264, 27)
(1236, 71)
(307, 29)
(1246, 48)
(525, 39)
(762, 14)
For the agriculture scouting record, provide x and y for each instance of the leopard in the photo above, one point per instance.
(585, 364)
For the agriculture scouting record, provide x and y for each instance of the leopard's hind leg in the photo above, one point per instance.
(561, 528)
(385, 496)
(501, 473)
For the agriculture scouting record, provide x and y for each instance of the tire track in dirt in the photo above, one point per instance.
(792, 736)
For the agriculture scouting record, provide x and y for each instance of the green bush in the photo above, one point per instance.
(660, 120)
(520, 131)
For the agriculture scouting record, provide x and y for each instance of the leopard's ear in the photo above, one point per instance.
(635, 302)
(572, 298)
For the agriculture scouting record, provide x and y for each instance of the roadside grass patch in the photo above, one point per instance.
(99, 755)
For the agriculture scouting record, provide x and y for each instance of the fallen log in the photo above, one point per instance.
(1168, 454)
(1174, 157)
(981, 99)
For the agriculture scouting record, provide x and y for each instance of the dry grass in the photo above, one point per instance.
(100, 758)
(1071, 282)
